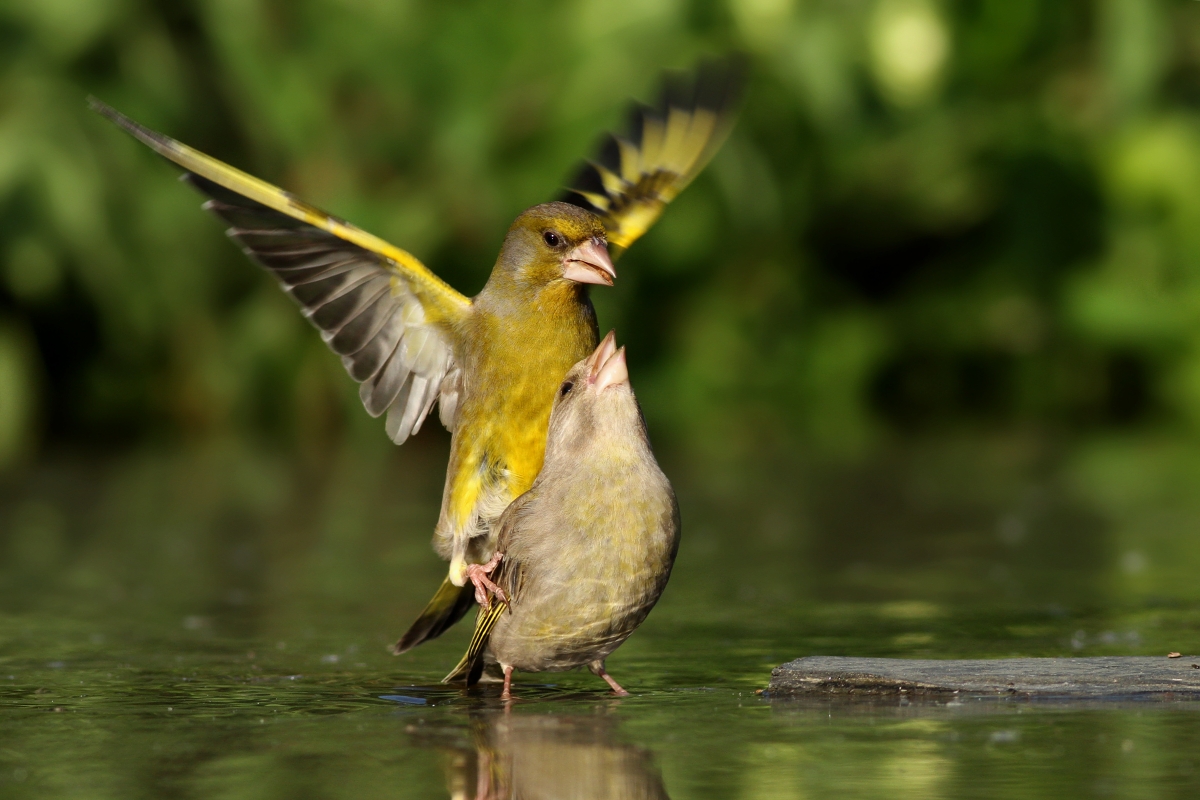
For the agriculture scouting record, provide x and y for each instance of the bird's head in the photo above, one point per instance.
(557, 241)
(595, 405)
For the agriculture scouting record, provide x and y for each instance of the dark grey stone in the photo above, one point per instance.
(1066, 678)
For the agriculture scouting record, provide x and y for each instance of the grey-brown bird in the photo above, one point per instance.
(584, 554)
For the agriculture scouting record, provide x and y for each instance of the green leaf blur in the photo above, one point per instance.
(930, 215)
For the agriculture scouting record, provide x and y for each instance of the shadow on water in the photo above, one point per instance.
(216, 622)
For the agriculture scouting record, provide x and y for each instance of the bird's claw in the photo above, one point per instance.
(478, 575)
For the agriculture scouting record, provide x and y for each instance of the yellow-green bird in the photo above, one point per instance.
(493, 362)
(585, 553)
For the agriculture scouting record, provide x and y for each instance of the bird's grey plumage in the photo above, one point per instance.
(588, 549)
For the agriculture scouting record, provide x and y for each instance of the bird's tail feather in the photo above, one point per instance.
(448, 606)
(470, 667)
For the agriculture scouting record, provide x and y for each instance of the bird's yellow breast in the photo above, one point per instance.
(513, 365)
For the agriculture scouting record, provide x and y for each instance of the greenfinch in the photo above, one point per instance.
(492, 363)
(584, 554)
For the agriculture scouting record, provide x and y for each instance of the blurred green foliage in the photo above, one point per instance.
(931, 213)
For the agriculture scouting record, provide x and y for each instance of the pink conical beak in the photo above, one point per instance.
(614, 372)
(590, 263)
(606, 348)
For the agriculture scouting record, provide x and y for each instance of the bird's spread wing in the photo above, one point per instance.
(633, 177)
(378, 307)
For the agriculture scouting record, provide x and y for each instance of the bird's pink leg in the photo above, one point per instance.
(507, 693)
(478, 575)
(598, 669)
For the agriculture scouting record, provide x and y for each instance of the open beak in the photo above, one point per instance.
(589, 263)
(613, 371)
(607, 346)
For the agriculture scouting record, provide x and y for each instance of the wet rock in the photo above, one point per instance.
(1061, 678)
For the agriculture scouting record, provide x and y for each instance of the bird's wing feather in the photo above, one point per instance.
(507, 575)
(378, 307)
(449, 604)
(470, 667)
(633, 177)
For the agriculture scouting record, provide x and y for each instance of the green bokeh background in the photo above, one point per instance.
(931, 214)
(920, 352)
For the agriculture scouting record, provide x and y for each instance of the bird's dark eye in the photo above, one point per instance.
(552, 238)
(565, 389)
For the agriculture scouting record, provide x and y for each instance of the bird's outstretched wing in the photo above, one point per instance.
(379, 308)
(633, 177)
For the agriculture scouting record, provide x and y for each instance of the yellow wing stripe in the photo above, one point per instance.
(631, 161)
(422, 280)
(652, 145)
(612, 182)
(600, 201)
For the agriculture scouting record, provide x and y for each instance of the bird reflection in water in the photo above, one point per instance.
(527, 755)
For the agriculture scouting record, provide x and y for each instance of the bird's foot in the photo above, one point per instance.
(616, 687)
(478, 575)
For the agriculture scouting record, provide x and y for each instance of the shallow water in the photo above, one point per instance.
(215, 622)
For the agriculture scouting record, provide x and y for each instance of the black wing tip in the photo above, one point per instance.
(721, 84)
(714, 84)
(410, 640)
(150, 137)
(608, 153)
(476, 672)
(587, 180)
(213, 190)
(438, 616)
(116, 117)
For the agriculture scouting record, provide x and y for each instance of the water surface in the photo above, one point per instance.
(214, 622)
